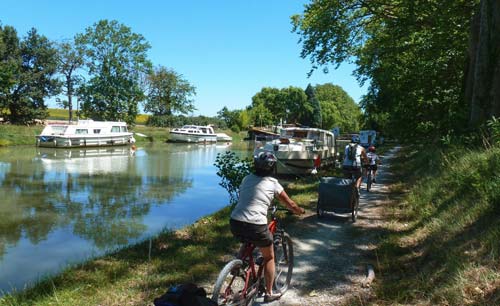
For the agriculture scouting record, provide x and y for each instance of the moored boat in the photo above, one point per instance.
(301, 150)
(85, 133)
(193, 133)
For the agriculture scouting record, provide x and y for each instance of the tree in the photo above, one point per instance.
(338, 109)
(316, 120)
(29, 76)
(116, 58)
(10, 63)
(70, 59)
(288, 104)
(168, 93)
(482, 85)
(412, 52)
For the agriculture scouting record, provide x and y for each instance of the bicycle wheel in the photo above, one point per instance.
(354, 210)
(283, 257)
(369, 181)
(230, 285)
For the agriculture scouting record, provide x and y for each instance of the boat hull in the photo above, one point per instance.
(184, 137)
(82, 141)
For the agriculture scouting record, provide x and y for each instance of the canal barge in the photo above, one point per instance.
(301, 150)
(85, 133)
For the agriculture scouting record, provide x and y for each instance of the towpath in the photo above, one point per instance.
(332, 253)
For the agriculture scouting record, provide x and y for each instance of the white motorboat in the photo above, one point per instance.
(85, 133)
(193, 133)
(223, 137)
(301, 150)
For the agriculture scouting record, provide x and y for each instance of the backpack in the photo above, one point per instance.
(187, 294)
(351, 151)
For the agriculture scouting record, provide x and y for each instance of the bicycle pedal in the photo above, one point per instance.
(259, 260)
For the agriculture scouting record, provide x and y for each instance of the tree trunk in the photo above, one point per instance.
(482, 75)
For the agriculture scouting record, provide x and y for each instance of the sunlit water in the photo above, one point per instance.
(59, 207)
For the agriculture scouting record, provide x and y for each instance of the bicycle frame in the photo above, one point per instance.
(246, 255)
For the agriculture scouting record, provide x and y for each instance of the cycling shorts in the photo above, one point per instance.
(352, 170)
(371, 167)
(257, 234)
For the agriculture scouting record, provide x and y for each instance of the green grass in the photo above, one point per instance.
(18, 135)
(444, 243)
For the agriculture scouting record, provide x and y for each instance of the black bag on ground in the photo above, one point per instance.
(187, 294)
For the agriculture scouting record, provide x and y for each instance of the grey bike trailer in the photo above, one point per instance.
(336, 195)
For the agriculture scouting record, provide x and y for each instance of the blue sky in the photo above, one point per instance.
(229, 50)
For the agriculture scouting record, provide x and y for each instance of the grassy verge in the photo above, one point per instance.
(443, 244)
(18, 134)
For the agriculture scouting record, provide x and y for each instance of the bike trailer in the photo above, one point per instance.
(335, 195)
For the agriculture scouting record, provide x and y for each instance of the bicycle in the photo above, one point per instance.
(369, 177)
(240, 281)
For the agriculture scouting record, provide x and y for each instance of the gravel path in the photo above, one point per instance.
(331, 254)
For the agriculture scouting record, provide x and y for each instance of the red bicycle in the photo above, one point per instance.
(242, 279)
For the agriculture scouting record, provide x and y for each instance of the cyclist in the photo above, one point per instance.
(249, 218)
(374, 161)
(354, 158)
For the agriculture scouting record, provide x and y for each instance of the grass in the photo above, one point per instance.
(444, 242)
(18, 135)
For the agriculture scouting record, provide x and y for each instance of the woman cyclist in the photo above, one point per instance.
(249, 218)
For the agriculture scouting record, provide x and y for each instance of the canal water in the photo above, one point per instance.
(62, 206)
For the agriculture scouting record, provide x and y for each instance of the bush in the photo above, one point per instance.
(232, 170)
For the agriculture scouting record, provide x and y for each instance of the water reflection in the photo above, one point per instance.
(60, 206)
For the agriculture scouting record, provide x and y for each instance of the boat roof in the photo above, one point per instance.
(306, 129)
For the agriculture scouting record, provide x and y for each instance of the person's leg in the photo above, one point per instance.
(268, 261)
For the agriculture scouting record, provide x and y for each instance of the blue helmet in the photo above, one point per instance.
(355, 139)
(265, 161)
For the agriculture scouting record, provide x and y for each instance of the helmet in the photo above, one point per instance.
(265, 161)
(371, 148)
(355, 139)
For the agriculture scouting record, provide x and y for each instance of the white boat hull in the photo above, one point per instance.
(181, 137)
(82, 141)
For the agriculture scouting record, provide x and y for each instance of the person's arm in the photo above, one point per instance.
(290, 204)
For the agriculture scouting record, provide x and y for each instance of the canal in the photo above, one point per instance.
(62, 206)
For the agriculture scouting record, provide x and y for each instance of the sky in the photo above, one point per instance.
(228, 49)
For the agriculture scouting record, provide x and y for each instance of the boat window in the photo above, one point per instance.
(300, 134)
(115, 129)
(124, 128)
(97, 131)
(82, 131)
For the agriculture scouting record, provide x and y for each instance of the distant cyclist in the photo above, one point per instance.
(249, 217)
(374, 162)
(354, 159)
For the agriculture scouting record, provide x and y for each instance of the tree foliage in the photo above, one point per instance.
(27, 76)
(316, 118)
(338, 109)
(411, 52)
(70, 60)
(168, 93)
(116, 59)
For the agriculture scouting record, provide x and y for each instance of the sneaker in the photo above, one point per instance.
(273, 297)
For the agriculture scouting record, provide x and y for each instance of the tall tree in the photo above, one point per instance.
(10, 64)
(482, 86)
(168, 92)
(70, 59)
(116, 58)
(316, 119)
(34, 62)
(338, 109)
(411, 52)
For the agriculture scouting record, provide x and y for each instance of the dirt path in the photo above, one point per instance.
(331, 253)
